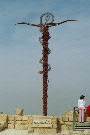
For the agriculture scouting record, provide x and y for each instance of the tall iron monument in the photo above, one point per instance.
(46, 21)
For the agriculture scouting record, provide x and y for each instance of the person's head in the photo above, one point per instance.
(82, 97)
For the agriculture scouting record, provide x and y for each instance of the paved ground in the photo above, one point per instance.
(14, 132)
(25, 132)
(18, 132)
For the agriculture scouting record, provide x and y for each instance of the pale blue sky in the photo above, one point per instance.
(20, 51)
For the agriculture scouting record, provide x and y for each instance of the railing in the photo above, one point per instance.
(76, 124)
(75, 116)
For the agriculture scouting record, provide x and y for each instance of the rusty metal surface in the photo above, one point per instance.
(46, 67)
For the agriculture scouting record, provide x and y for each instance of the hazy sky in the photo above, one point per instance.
(20, 51)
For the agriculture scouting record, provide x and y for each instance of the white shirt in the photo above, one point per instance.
(81, 103)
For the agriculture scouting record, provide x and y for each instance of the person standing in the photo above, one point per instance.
(81, 106)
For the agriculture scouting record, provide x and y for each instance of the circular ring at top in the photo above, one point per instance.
(46, 18)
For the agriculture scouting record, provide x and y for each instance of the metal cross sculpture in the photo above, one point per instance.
(46, 21)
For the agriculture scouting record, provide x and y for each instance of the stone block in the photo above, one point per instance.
(54, 120)
(60, 121)
(68, 126)
(70, 115)
(45, 131)
(11, 122)
(30, 129)
(65, 118)
(67, 132)
(3, 125)
(52, 131)
(11, 117)
(40, 122)
(19, 111)
(21, 127)
(18, 118)
(30, 120)
(25, 117)
(69, 123)
(64, 128)
(22, 122)
(11, 126)
(54, 126)
(3, 117)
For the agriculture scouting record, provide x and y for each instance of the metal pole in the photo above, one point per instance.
(45, 69)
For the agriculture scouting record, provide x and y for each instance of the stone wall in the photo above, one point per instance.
(36, 124)
(3, 121)
(39, 124)
(65, 122)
